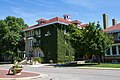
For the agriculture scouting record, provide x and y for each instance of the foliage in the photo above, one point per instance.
(11, 34)
(65, 51)
(17, 65)
(55, 46)
(49, 43)
(89, 41)
(96, 41)
(38, 59)
(75, 36)
(17, 58)
(16, 68)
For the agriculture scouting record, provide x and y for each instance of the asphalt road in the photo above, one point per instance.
(71, 73)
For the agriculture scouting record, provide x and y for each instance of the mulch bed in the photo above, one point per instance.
(4, 74)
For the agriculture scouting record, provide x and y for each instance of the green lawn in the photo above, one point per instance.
(106, 65)
(5, 63)
(102, 65)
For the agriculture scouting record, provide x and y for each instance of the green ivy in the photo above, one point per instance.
(64, 50)
(55, 47)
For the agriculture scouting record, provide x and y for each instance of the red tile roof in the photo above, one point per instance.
(41, 20)
(112, 28)
(49, 21)
(55, 19)
(76, 22)
(58, 19)
(83, 25)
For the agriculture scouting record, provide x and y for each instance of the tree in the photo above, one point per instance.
(75, 36)
(65, 50)
(96, 42)
(89, 41)
(11, 34)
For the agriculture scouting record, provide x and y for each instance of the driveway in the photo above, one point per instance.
(71, 73)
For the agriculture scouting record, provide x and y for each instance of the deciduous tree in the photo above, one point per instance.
(11, 34)
(91, 40)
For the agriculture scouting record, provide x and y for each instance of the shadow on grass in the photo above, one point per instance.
(73, 65)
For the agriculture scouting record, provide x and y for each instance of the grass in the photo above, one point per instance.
(106, 65)
(5, 63)
(102, 65)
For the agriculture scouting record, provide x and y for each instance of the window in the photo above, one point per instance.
(48, 33)
(65, 31)
(108, 52)
(39, 31)
(114, 50)
(118, 36)
(119, 49)
(30, 33)
(114, 61)
(30, 43)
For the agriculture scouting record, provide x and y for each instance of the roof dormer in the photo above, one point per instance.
(41, 21)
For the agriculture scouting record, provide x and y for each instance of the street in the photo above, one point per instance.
(71, 73)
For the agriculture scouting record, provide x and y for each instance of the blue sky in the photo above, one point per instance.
(82, 10)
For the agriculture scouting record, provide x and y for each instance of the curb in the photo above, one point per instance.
(23, 78)
(99, 68)
(26, 78)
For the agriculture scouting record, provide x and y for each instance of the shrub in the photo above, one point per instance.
(38, 59)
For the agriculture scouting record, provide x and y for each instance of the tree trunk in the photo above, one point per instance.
(12, 58)
(98, 59)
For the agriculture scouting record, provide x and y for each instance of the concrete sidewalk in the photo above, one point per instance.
(23, 76)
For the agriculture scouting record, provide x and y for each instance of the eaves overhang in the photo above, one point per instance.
(31, 28)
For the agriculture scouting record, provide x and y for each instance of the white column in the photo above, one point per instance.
(117, 50)
(110, 50)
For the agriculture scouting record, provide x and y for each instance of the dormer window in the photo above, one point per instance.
(41, 21)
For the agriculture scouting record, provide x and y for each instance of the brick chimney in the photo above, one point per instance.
(67, 17)
(105, 21)
(114, 21)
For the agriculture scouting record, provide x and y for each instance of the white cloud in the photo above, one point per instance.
(21, 12)
(82, 3)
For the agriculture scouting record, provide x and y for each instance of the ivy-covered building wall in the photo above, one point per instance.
(49, 42)
(52, 43)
